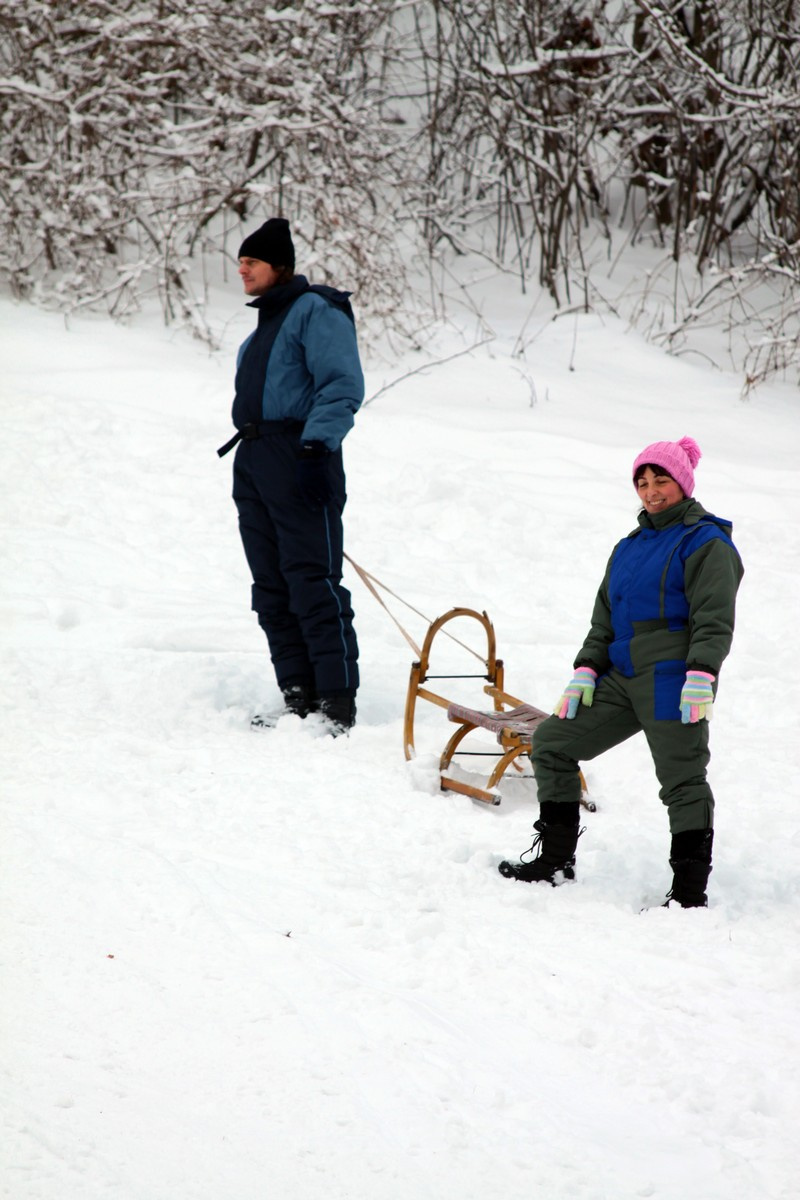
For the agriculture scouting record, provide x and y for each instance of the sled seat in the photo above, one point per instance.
(521, 720)
(513, 730)
(512, 721)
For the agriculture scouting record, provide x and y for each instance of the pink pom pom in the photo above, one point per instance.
(691, 450)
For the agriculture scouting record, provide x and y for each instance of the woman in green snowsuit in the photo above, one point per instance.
(661, 628)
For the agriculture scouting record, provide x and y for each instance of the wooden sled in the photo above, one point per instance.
(511, 720)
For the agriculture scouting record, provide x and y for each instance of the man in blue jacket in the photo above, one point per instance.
(298, 385)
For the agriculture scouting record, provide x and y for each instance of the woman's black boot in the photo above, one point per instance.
(690, 859)
(555, 842)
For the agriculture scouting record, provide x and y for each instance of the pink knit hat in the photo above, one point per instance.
(678, 459)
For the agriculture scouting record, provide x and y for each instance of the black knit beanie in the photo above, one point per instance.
(272, 244)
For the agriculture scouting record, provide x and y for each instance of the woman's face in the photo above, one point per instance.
(657, 490)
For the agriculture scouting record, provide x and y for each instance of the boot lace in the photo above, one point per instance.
(536, 844)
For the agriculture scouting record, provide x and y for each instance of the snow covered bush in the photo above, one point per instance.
(139, 141)
(709, 133)
(510, 119)
(135, 135)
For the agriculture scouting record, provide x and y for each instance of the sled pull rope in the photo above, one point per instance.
(368, 581)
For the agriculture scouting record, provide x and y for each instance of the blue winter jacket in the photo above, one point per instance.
(301, 363)
(667, 601)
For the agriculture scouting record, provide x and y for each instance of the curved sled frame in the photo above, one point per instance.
(513, 741)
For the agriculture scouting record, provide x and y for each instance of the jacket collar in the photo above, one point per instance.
(277, 298)
(686, 512)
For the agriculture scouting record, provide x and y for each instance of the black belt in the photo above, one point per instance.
(254, 430)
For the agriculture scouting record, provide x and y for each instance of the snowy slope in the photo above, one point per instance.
(246, 966)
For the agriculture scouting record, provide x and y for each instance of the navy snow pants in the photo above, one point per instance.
(295, 557)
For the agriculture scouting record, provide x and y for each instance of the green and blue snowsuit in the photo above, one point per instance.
(666, 605)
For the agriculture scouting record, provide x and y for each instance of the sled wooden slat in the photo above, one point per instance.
(511, 720)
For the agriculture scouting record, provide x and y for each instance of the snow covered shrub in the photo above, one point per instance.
(510, 120)
(140, 139)
(134, 135)
(708, 127)
(709, 121)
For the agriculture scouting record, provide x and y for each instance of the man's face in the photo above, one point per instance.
(256, 276)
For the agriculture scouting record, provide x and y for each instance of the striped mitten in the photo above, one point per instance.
(580, 690)
(697, 697)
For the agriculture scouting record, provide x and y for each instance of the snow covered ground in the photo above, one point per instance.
(279, 966)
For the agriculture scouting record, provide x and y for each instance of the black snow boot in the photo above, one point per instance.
(690, 859)
(298, 698)
(556, 838)
(338, 711)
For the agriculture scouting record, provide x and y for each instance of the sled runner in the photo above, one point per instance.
(511, 721)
